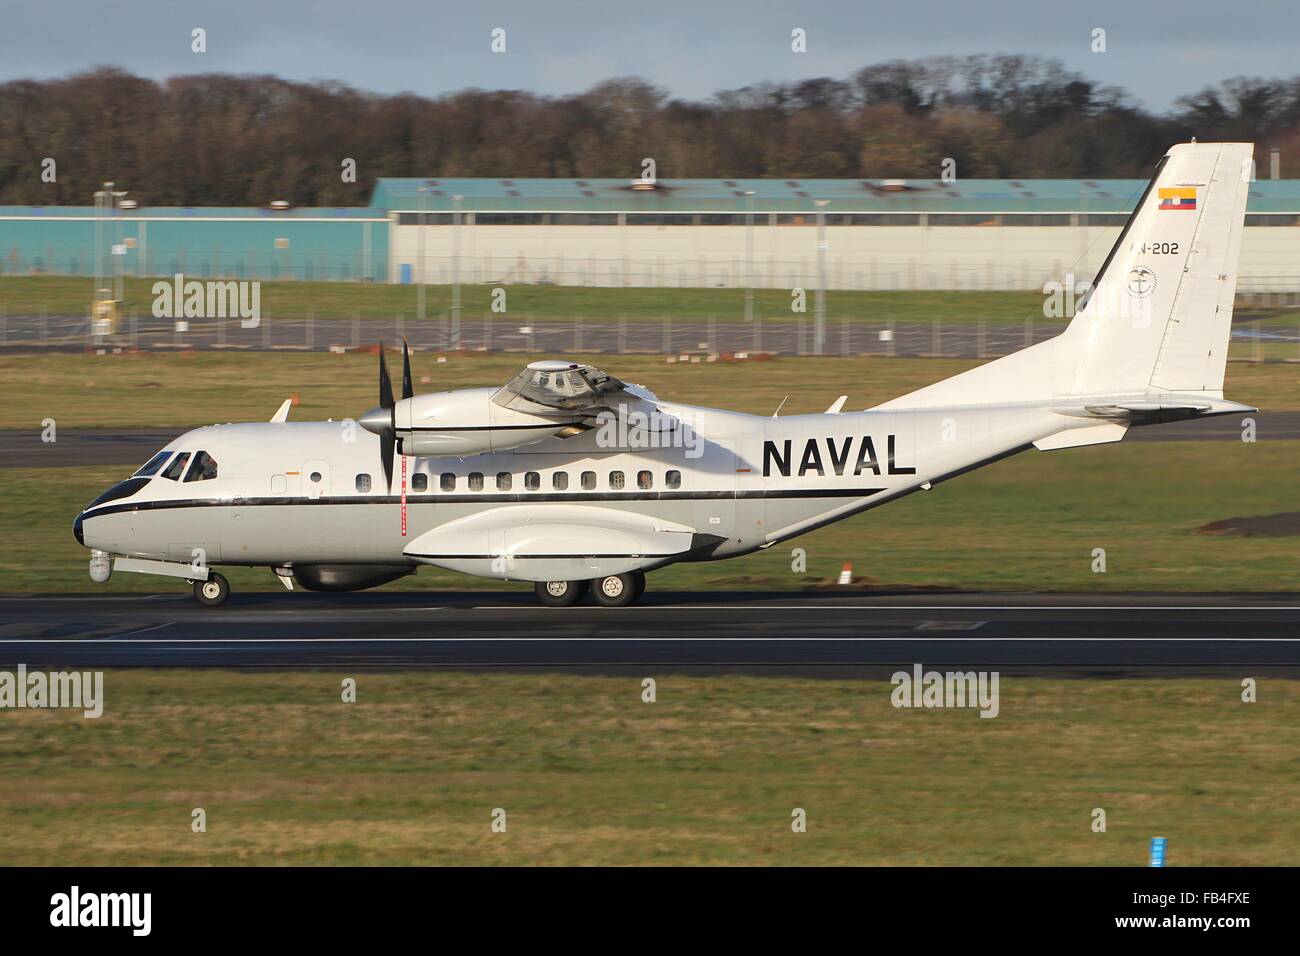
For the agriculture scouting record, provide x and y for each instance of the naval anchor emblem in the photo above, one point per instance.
(1141, 282)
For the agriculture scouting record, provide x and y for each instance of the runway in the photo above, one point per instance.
(748, 631)
(134, 446)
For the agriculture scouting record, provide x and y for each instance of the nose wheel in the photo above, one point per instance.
(212, 592)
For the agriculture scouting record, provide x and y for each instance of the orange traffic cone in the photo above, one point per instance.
(846, 573)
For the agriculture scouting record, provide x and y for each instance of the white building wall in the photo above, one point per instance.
(975, 257)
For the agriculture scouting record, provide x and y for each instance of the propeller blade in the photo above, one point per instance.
(387, 443)
(385, 383)
(407, 390)
(388, 432)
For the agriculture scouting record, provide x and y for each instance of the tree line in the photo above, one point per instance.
(224, 140)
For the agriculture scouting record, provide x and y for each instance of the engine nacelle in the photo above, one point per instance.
(348, 577)
(468, 422)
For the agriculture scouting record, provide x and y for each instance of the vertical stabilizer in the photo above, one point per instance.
(1160, 310)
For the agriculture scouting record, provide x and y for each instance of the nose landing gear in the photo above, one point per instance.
(212, 592)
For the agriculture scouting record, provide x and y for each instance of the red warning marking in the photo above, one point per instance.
(403, 496)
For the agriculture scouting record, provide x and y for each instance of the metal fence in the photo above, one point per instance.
(979, 338)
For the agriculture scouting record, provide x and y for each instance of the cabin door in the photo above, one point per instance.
(713, 477)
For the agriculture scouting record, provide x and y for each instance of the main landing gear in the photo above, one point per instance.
(614, 590)
(560, 593)
(212, 592)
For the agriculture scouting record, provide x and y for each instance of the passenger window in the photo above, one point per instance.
(673, 479)
(447, 482)
(177, 467)
(419, 481)
(504, 481)
(363, 483)
(616, 480)
(476, 481)
(560, 481)
(151, 466)
(644, 480)
(532, 481)
(588, 480)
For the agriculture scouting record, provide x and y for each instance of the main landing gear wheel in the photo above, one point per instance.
(617, 590)
(560, 593)
(212, 592)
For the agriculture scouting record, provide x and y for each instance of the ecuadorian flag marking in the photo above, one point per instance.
(1178, 197)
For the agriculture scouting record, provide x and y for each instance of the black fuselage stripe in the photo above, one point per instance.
(482, 428)
(435, 498)
(532, 557)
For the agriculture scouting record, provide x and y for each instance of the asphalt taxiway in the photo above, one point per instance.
(737, 630)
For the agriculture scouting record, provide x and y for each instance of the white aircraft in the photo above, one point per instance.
(569, 478)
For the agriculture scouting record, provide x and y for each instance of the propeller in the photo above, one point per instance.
(407, 390)
(382, 419)
(388, 433)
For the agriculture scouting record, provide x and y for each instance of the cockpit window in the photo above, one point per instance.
(204, 467)
(177, 467)
(151, 466)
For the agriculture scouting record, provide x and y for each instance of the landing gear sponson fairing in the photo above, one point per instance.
(576, 481)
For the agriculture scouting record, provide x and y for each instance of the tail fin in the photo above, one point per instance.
(1160, 311)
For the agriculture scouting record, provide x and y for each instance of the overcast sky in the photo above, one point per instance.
(1155, 50)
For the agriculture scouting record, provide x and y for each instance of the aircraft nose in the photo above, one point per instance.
(377, 419)
(77, 532)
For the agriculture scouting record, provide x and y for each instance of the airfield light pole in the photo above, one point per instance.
(117, 248)
(419, 255)
(103, 203)
(749, 255)
(107, 231)
(455, 271)
(99, 239)
(819, 320)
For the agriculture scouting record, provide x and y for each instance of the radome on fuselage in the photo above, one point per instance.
(570, 478)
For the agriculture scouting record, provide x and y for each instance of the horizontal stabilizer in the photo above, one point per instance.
(1169, 408)
(1099, 434)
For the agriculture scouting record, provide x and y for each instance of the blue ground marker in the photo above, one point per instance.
(1157, 851)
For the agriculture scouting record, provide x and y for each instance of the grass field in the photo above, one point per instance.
(708, 774)
(60, 295)
(194, 388)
